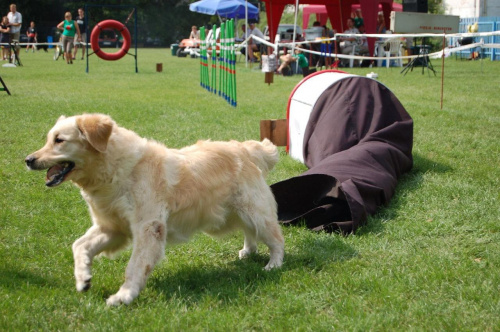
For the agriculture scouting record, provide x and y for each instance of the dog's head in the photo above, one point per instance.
(71, 146)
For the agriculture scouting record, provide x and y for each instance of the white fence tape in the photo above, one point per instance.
(438, 54)
(447, 51)
(42, 44)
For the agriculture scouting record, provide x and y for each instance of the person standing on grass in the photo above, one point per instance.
(80, 20)
(5, 37)
(32, 37)
(69, 28)
(15, 21)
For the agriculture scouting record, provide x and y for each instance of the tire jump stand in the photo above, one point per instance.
(4, 86)
(13, 47)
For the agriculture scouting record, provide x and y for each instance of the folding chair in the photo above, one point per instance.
(395, 47)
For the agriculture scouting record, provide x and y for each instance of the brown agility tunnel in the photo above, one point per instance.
(356, 139)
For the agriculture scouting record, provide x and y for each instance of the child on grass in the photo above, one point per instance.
(5, 37)
(287, 59)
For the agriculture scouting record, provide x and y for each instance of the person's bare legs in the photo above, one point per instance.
(285, 59)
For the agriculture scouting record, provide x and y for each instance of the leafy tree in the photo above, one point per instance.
(436, 6)
(167, 20)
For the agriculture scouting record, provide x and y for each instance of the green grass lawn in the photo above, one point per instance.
(428, 261)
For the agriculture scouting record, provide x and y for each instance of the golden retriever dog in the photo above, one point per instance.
(141, 192)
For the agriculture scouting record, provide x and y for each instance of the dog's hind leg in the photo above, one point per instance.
(149, 239)
(93, 242)
(250, 244)
(260, 224)
(265, 230)
(270, 234)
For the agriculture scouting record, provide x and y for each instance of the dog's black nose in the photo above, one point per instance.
(30, 160)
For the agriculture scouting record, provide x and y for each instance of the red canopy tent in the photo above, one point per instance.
(338, 12)
(322, 15)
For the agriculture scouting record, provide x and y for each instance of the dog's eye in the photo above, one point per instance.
(58, 140)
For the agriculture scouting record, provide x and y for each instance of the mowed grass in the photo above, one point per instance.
(427, 261)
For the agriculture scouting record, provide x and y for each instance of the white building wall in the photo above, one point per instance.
(493, 7)
(472, 8)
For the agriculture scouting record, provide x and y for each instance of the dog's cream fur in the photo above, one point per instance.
(139, 191)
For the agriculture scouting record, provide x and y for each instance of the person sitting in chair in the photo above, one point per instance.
(347, 43)
(195, 33)
(363, 41)
(253, 45)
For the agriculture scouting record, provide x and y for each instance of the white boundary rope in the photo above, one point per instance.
(437, 54)
(447, 51)
(42, 44)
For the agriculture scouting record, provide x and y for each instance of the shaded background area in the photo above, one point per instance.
(159, 22)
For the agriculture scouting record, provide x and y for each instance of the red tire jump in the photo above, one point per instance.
(110, 24)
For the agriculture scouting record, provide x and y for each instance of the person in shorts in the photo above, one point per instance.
(69, 28)
(15, 22)
(80, 20)
(32, 37)
(5, 37)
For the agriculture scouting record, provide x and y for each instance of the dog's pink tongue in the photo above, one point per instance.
(53, 171)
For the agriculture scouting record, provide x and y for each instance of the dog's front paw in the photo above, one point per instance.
(273, 264)
(244, 253)
(122, 297)
(84, 285)
(83, 278)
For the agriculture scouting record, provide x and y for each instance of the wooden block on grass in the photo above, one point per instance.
(274, 130)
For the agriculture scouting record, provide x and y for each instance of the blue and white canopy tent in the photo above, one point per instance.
(239, 9)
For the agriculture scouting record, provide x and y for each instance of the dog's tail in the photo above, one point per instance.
(264, 154)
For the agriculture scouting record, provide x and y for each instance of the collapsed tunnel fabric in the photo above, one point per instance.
(357, 143)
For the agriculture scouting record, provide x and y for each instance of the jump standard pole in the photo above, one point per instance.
(442, 70)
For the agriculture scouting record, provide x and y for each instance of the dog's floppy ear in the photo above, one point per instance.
(96, 128)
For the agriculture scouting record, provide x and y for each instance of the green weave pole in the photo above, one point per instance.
(202, 37)
(203, 59)
(223, 78)
(206, 76)
(213, 87)
(233, 66)
(229, 66)
(226, 60)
